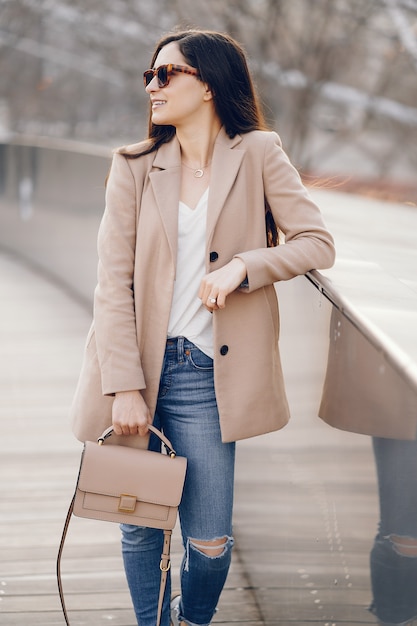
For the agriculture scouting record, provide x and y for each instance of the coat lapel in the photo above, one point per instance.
(224, 169)
(166, 180)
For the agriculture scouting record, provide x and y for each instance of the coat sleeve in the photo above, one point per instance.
(114, 311)
(308, 243)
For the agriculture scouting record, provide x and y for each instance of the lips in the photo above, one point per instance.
(157, 103)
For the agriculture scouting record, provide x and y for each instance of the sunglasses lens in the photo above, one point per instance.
(147, 77)
(162, 76)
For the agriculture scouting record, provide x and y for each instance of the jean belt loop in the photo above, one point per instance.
(180, 349)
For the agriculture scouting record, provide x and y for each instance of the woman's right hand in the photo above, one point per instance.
(130, 415)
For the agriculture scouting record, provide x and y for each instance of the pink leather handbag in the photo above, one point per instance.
(130, 486)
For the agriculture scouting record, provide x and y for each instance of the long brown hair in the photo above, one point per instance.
(222, 65)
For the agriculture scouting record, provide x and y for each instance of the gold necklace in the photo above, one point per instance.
(199, 172)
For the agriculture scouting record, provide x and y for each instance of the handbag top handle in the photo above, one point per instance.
(167, 444)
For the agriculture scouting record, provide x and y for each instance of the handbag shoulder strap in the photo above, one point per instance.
(164, 566)
(58, 560)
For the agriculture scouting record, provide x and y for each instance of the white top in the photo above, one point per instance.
(189, 318)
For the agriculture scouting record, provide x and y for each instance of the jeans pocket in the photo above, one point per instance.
(200, 361)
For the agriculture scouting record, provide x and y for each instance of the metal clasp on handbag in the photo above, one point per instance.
(127, 503)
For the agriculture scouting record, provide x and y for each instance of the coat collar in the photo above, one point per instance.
(165, 180)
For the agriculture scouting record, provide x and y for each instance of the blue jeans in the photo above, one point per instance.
(393, 572)
(187, 413)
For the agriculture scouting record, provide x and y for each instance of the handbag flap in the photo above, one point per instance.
(115, 470)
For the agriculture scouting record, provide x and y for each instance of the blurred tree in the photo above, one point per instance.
(337, 77)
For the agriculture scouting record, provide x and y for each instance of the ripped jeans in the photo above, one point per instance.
(187, 413)
(394, 553)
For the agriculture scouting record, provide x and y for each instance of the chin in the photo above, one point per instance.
(159, 120)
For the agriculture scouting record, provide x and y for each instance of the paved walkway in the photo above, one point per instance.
(305, 513)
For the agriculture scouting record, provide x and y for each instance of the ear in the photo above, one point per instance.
(208, 94)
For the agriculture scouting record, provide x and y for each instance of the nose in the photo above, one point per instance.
(152, 85)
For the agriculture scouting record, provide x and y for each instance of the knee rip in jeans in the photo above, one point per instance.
(404, 545)
(213, 549)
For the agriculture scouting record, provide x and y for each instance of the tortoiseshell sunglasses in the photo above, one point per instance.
(163, 72)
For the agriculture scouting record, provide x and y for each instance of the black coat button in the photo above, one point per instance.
(213, 257)
(224, 350)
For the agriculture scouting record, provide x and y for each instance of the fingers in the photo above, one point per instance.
(211, 303)
(130, 414)
(209, 294)
(213, 295)
(216, 286)
(143, 430)
(130, 429)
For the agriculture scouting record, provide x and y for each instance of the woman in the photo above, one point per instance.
(186, 318)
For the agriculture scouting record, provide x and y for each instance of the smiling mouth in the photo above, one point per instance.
(157, 103)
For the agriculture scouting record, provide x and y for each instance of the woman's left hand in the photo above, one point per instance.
(216, 286)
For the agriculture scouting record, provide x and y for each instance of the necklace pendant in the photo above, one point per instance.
(199, 173)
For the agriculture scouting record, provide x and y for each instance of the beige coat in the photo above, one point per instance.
(137, 257)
